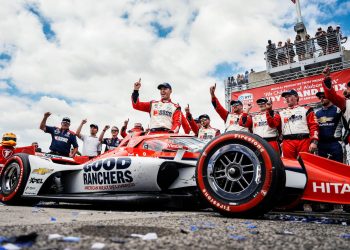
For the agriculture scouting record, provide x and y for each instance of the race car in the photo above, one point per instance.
(237, 173)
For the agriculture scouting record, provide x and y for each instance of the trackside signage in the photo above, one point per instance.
(306, 87)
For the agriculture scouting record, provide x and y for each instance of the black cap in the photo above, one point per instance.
(92, 125)
(348, 84)
(196, 120)
(262, 100)
(164, 85)
(66, 119)
(235, 102)
(203, 116)
(290, 92)
(319, 94)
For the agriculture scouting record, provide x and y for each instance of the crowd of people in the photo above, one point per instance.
(241, 81)
(324, 42)
(290, 131)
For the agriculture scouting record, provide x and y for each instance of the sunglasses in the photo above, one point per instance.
(321, 97)
(114, 130)
(203, 119)
(9, 139)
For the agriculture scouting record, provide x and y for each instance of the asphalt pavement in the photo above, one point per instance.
(113, 228)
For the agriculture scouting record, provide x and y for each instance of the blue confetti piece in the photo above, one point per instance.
(345, 236)
(247, 222)
(254, 232)
(236, 237)
(53, 219)
(3, 239)
(251, 226)
(71, 239)
(194, 228)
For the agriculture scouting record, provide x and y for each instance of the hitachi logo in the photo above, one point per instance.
(331, 188)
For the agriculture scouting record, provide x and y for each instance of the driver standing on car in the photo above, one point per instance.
(62, 138)
(299, 127)
(165, 115)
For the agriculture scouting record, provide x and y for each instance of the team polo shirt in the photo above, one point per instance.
(111, 143)
(62, 140)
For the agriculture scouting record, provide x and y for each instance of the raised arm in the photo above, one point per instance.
(100, 138)
(176, 120)
(136, 104)
(216, 104)
(191, 121)
(330, 93)
(80, 127)
(123, 129)
(43, 121)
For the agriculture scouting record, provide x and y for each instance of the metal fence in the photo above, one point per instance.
(289, 53)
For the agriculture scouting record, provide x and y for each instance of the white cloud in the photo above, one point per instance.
(97, 55)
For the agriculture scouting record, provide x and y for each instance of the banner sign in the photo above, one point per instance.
(306, 87)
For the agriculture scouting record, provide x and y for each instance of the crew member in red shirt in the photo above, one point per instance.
(265, 124)
(299, 127)
(165, 115)
(204, 131)
(231, 118)
(137, 129)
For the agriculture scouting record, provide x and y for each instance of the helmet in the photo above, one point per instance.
(9, 139)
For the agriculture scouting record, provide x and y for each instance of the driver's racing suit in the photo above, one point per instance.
(299, 128)
(231, 119)
(201, 132)
(264, 124)
(165, 115)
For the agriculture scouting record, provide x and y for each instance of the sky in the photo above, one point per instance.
(80, 58)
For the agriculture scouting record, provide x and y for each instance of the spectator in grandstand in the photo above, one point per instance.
(330, 125)
(271, 54)
(299, 47)
(252, 71)
(204, 130)
(321, 39)
(281, 54)
(91, 143)
(290, 51)
(246, 77)
(299, 127)
(310, 46)
(231, 118)
(333, 44)
(62, 138)
(113, 141)
(341, 38)
(265, 124)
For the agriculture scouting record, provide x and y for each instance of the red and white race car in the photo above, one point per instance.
(237, 173)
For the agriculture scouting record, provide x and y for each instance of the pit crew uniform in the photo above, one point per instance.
(165, 115)
(299, 128)
(62, 140)
(264, 124)
(231, 119)
(111, 143)
(329, 121)
(201, 132)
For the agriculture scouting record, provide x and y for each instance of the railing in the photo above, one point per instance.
(291, 53)
(234, 87)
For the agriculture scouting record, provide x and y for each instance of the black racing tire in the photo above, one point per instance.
(13, 179)
(240, 175)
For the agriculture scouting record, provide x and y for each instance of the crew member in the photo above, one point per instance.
(62, 138)
(330, 125)
(231, 118)
(113, 142)
(137, 129)
(299, 127)
(7, 147)
(265, 124)
(165, 115)
(91, 143)
(204, 131)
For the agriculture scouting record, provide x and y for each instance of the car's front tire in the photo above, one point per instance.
(13, 179)
(240, 175)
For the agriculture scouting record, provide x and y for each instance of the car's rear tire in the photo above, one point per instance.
(13, 179)
(240, 175)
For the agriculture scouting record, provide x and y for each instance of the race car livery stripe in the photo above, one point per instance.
(172, 158)
(294, 169)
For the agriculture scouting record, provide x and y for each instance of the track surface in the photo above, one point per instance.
(175, 229)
